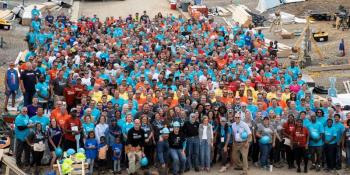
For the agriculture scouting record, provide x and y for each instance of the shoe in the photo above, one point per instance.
(223, 169)
(305, 170)
(196, 169)
(318, 168)
(119, 172)
(238, 168)
(207, 169)
(187, 170)
(256, 164)
(298, 170)
(313, 166)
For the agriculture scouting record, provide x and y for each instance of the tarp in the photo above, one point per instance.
(263, 5)
(287, 18)
(239, 14)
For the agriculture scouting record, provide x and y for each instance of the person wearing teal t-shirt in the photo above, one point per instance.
(40, 118)
(330, 146)
(315, 143)
(22, 126)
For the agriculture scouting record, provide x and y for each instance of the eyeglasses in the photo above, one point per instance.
(237, 117)
(24, 111)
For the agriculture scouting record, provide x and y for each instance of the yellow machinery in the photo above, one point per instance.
(303, 45)
(5, 24)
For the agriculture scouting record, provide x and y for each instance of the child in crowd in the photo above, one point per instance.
(91, 150)
(117, 148)
(102, 154)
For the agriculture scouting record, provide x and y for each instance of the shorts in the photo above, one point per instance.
(10, 92)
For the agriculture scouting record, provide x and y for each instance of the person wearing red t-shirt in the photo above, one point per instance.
(78, 88)
(72, 130)
(69, 95)
(300, 144)
(288, 130)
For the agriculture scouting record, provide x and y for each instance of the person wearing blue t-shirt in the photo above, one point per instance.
(117, 148)
(11, 85)
(42, 90)
(91, 150)
(35, 12)
(40, 118)
(315, 143)
(22, 131)
(330, 145)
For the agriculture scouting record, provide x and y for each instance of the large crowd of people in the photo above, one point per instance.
(187, 94)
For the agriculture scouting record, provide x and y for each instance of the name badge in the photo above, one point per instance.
(146, 135)
(171, 129)
(222, 139)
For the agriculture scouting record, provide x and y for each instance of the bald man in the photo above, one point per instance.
(135, 143)
(27, 84)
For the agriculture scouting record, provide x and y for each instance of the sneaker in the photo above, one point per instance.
(223, 169)
(196, 169)
(318, 168)
(298, 170)
(256, 164)
(313, 166)
(238, 168)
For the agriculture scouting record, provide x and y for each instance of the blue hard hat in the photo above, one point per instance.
(265, 140)
(81, 150)
(315, 135)
(244, 135)
(59, 152)
(70, 151)
(165, 131)
(144, 161)
(176, 124)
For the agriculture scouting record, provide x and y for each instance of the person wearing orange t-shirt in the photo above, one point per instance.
(53, 72)
(141, 83)
(60, 114)
(139, 99)
(221, 62)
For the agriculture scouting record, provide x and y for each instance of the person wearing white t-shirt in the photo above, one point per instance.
(242, 135)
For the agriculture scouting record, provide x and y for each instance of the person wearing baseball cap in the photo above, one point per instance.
(177, 145)
(163, 149)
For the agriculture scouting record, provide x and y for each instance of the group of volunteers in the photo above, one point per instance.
(186, 94)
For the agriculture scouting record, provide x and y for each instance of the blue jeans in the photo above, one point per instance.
(347, 150)
(178, 159)
(205, 153)
(28, 98)
(192, 152)
(265, 150)
(162, 152)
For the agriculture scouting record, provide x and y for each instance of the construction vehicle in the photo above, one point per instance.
(305, 45)
(5, 24)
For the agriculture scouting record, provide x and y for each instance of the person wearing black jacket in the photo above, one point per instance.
(177, 145)
(190, 129)
(134, 149)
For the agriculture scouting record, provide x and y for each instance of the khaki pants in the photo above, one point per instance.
(133, 164)
(237, 150)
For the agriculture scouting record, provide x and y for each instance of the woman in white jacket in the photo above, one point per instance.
(101, 128)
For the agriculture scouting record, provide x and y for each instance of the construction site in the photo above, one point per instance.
(314, 33)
